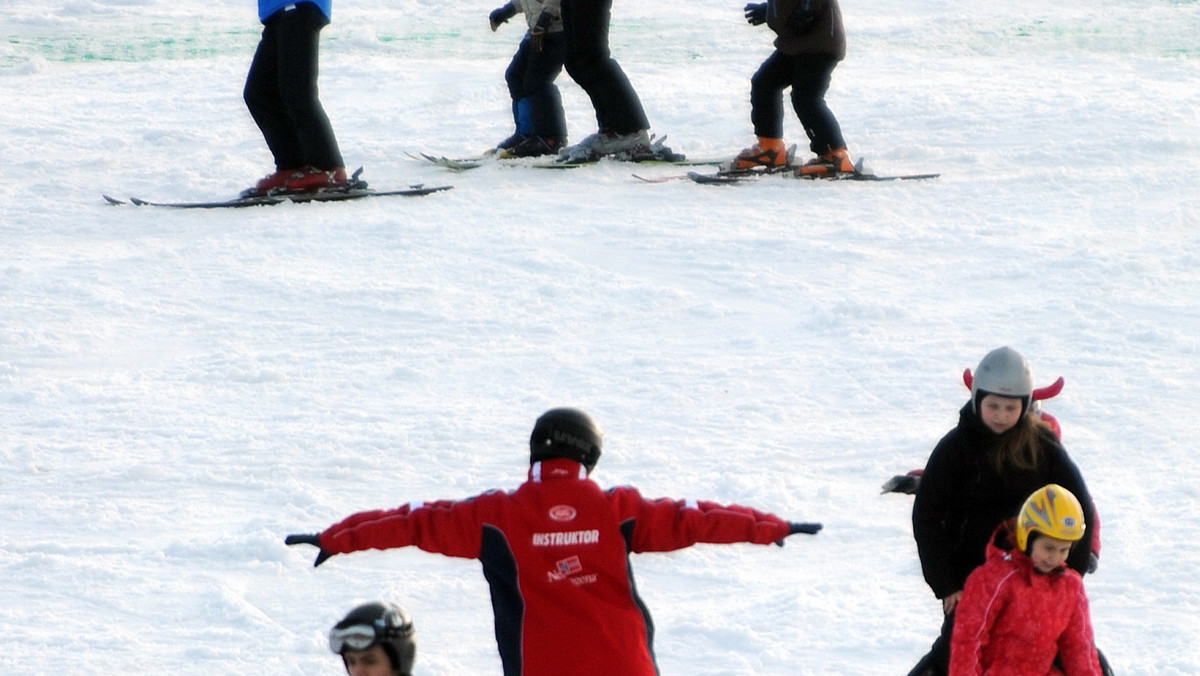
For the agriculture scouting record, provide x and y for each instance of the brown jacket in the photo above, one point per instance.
(824, 35)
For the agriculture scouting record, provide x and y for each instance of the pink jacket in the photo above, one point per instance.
(1013, 620)
(555, 555)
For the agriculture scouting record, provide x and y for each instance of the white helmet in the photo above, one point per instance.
(1005, 372)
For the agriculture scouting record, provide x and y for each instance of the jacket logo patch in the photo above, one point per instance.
(570, 569)
(569, 566)
(566, 538)
(562, 513)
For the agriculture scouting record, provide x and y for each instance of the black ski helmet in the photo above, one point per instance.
(387, 624)
(566, 433)
(1004, 372)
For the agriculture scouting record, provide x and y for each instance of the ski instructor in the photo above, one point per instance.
(555, 552)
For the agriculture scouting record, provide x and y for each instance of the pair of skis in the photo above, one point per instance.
(354, 190)
(729, 176)
(468, 163)
(721, 177)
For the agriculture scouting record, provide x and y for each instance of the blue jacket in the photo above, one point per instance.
(268, 7)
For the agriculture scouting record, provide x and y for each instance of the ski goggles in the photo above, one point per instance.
(354, 637)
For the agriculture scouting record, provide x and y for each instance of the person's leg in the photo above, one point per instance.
(766, 95)
(590, 64)
(937, 661)
(299, 32)
(546, 116)
(266, 105)
(766, 114)
(811, 75)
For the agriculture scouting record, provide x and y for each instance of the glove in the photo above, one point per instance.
(313, 539)
(797, 527)
(537, 35)
(756, 13)
(501, 15)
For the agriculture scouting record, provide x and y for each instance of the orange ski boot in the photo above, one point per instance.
(836, 161)
(768, 152)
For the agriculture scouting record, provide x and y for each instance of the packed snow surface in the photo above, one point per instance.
(181, 389)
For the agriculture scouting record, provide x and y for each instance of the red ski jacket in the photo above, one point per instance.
(1013, 620)
(555, 555)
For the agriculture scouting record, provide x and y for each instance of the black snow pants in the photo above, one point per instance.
(281, 91)
(536, 102)
(591, 66)
(808, 75)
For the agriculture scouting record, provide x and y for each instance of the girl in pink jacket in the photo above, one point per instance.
(1024, 605)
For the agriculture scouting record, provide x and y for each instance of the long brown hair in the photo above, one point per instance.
(1021, 447)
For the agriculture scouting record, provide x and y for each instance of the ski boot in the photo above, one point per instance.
(604, 143)
(534, 146)
(312, 179)
(768, 152)
(836, 161)
(273, 182)
(512, 141)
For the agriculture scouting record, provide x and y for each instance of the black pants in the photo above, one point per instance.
(281, 91)
(808, 75)
(591, 66)
(536, 103)
(937, 660)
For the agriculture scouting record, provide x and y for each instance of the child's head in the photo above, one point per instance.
(375, 639)
(1002, 374)
(1049, 525)
(566, 433)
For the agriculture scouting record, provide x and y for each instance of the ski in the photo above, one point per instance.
(357, 189)
(299, 198)
(468, 163)
(727, 176)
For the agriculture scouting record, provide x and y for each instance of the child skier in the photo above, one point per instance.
(281, 94)
(977, 476)
(555, 552)
(809, 44)
(1025, 606)
(375, 639)
(541, 124)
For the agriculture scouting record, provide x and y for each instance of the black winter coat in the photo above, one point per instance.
(824, 34)
(961, 499)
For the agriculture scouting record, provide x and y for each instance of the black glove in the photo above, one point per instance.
(537, 35)
(501, 15)
(795, 527)
(756, 13)
(313, 539)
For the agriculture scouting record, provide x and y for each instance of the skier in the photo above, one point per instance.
(1024, 607)
(977, 477)
(281, 94)
(809, 44)
(541, 124)
(555, 552)
(375, 639)
(623, 130)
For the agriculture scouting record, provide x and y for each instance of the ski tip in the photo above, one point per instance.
(113, 201)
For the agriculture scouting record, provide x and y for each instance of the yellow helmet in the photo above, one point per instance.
(1053, 511)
